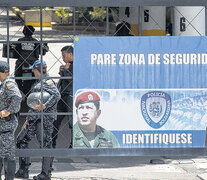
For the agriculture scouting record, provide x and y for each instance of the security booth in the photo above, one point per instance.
(142, 94)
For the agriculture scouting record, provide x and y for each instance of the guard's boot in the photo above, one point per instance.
(51, 168)
(46, 170)
(9, 168)
(1, 166)
(42, 176)
(23, 171)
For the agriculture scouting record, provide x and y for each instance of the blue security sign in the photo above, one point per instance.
(140, 92)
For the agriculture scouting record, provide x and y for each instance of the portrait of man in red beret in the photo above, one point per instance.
(87, 134)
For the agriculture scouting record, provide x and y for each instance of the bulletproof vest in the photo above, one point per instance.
(28, 51)
(33, 98)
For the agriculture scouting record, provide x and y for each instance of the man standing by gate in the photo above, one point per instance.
(10, 101)
(34, 122)
(65, 87)
(28, 52)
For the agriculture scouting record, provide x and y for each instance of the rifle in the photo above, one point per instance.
(22, 135)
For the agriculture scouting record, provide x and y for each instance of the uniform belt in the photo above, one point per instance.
(4, 132)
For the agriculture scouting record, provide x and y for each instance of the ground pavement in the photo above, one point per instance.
(126, 168)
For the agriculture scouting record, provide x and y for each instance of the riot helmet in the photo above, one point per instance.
(33, 98)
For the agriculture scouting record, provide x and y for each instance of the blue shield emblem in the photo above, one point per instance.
(156, 108)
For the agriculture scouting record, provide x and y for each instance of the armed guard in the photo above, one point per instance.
(28, 51)
(33, 122)
(10, 101)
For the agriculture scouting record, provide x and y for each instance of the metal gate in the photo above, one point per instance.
(56, 23)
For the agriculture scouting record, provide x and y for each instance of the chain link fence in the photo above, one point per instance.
(55, 27)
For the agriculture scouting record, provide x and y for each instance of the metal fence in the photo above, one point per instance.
(78, 22)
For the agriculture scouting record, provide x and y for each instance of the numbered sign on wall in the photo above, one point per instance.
(130, 15)
(189, 21)
(154, 21)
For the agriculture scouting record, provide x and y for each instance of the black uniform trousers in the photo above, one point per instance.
(64, 105)
(34, 128)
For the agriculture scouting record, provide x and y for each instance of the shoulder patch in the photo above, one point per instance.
(49, 82)
(10, 85)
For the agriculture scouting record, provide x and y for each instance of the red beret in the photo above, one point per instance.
(86, 97)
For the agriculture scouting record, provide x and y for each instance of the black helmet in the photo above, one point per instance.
(28, 30)
(33, 98)
(123, 29)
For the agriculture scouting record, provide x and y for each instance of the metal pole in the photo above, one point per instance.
(107, 21)
(41, 77)
(7, 23)
(173, 20)
(205, 21)
(74, 21)
(140, 20)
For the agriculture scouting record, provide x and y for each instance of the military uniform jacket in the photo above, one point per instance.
(10, 100)
(103, 138)
(49, 86)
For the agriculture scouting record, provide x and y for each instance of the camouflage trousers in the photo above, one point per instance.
(34, 128)
(7, 145)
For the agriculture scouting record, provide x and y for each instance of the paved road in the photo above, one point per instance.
(127, 168)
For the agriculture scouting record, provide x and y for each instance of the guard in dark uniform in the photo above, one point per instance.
(65, 87)
(33, 121)
(10, 101)
(28, 52)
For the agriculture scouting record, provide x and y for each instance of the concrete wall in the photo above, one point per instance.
(32, 17)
